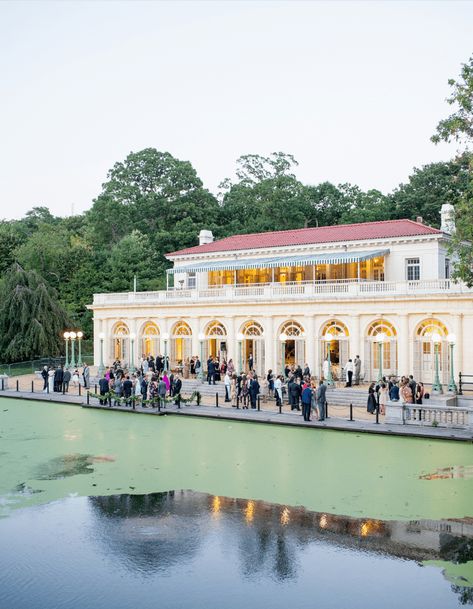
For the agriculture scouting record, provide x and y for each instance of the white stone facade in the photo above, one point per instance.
(409, 306)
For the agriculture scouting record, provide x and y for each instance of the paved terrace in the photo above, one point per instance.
(338, 418)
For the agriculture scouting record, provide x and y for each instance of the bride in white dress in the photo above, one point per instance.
(51, 380)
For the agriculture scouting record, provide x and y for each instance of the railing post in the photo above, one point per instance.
(258, 402)
(280, 406)
(32, 386)
(17, 387)
(3, 384)
(377, 413)
(237, 401)
(326, 409)
(63, 388)
(95, 387)
(88, 398)
(79, 390)
(216, 400)
(351, 411)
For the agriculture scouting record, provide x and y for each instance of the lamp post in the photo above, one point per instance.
(452, 387)
(380, 338)
(79, 347)
(436, 339)
(283, 339)
(132, 352)
(328, 339)
(165, 339)
(66, 339)
(101, 366)
(201, 346)
(240, 339)
(73, 336)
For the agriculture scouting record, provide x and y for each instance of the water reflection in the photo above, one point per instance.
(161, 531)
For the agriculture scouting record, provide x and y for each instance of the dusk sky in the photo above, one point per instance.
(353, 90)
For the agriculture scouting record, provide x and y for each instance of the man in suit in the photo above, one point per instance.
(306, 399)
(295, 392)
(127, 389)
(254, 391)
(58, 376)
(44, 374)
(104, 389)
(177, 391)
(321, 399)
(210, 371)
(66, 379)
(250, 362)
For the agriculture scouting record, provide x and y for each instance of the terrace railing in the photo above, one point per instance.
(331, 289)
(441, 416)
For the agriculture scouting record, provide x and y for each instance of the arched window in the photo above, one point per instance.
(181, 328)
(335, 328)
(150, 329)
(292, 329)
(381, 325)
(215, 328)
(120, 329)
(252, 328)
(431, 326)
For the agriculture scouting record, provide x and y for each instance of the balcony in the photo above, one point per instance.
(308, 290)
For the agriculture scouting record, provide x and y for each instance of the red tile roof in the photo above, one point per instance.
(303, 236)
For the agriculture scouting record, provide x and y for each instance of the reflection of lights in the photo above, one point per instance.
(250, 511)
(71, 436)
(216, 504)
(371, 527)
(323, 521)
(285, 516)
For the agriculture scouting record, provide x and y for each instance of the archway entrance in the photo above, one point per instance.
(294, 345)
(120, 342)
(215, 345)
(388, 361)
(336, 348)
(252, 346)
(149, 340)
(424, 353)
(181, 344)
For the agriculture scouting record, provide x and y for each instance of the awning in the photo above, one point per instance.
(279, 261)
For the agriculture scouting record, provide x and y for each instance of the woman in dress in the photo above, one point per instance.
(383, 398)
(233, 389)
(419, 393)
(372, 402)
(244, 392)
(51, 380)
(75, 378)
(230, 367)
(406, 393)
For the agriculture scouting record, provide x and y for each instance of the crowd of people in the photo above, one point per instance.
(58, 378)
(151, 383)
(406, 389)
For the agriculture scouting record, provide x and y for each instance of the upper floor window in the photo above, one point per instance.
(413, 269)
(191, 281)
(447, 268)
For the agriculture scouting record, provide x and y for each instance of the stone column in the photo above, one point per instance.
(404, 342)
(270, 344)
(194, 323)
(356, 341)
(316, 364)
(458, 361)
(232, 347)
(309, 323)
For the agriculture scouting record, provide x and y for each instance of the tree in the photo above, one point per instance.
(132, 256)
(31, 319)
(267, 196)
(429, 187)
(152, 192)
(458, 127)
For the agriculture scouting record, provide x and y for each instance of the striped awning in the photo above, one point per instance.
(279, 261)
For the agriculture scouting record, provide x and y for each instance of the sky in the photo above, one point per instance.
(353, 90)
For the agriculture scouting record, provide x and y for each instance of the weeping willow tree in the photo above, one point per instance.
(31, 318)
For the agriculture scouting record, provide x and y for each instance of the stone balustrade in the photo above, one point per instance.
(329, 290)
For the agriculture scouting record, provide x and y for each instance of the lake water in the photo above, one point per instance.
(106, 509)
